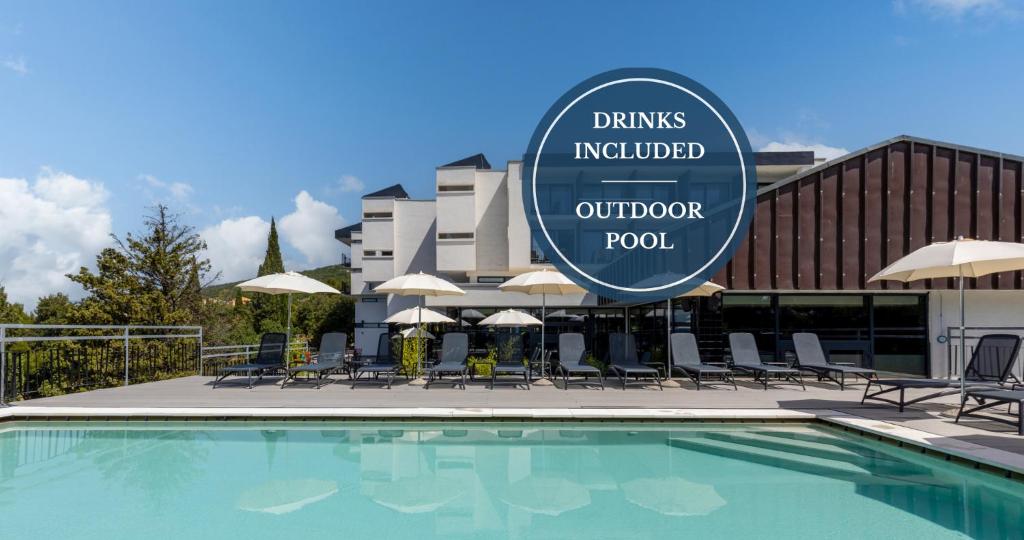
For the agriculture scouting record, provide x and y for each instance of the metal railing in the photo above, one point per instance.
(34, 360)
(971, 336)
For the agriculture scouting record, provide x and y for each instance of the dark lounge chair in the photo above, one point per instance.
(811, 357)
(624, 363)
(990, 367)
(454, 353)
(387, 362)
(510, 360)
(747, 358)
(269, 359)
(329, 359)
(992, 397)
(686, 360)
(572, 353)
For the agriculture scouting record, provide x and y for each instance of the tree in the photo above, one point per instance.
(54, 309)
(11, 313)
(151, 278)
(270, 312)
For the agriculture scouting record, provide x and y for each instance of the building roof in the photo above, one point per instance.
(477, 161)
(344, 234)
(396, 191)
(784, 158)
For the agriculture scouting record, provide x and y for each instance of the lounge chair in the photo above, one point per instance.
(454, 353)
(571, 361)
(387, 362)
(269, 359)
(992, 397)
(747, 358)
(990, 367)
(510, 360)
(811, 357)
(329, 359)
(686, 360)
(623, 360)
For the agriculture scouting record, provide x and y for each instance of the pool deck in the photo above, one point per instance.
(929, 425)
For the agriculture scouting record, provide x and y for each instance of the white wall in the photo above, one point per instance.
(518, 237)
(984, 309)
(491, 220)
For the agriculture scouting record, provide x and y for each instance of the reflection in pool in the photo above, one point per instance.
(362, 480)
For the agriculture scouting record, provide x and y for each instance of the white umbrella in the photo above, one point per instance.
(542, 282)
(963, 257)
(421, 285)
(511, 318)
(704, 289)
(472, 314)
(287, 283)
(416, 315)
(417, 332)
(546, 495)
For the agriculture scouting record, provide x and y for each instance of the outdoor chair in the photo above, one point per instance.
(991, 367)
(454, 353)
(269, 359)
(811, 357)
(990, 398)
(624, 363)
(510, 360)
(686, 360)
(747, 358)
(387, 362)
(330, 358)
(572, 361)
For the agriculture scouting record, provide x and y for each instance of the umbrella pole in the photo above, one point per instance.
(543, 380)
(416, 379)
(288, 335)
(963, 340)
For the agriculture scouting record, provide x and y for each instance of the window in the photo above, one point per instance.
(386, 253)
(370, 300)
(468, 188)
(369, 253)
(491, 279)
(376, 215)
(455, 236)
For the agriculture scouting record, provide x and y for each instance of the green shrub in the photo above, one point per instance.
(481, 366)
(410, 352)
(592, 360)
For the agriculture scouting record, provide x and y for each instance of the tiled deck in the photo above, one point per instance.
(928, 425)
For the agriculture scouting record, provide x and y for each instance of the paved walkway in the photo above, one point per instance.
(928, 424)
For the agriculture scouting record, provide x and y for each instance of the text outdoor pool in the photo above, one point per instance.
(384, 480)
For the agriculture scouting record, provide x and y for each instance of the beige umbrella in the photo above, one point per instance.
(287, 283)
(673, 496)
(416, 315)
(413, 331)
(547, 495)
(285, 496)
(511, 318)
(542, 282)
(963, 257)
(420, 285)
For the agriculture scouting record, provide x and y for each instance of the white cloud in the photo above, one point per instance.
(17, 65)
(310, 230)
(236, 246)
(179, 191)
(958, 9)
(49, 228)
(820, 150)
(348, 184)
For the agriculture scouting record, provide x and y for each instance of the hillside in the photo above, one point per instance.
(334, 275)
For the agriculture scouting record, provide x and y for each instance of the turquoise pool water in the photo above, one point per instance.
(322, 480)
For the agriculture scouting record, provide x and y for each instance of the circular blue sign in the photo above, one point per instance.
(639, 184)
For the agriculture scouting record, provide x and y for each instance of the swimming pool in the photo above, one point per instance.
(258, 480)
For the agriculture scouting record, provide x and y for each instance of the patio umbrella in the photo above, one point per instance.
(416, 494)
(673, 496)
(542, 282)
(511, 318)
(960, 258)
(417, 332)
(420, 285)
(472, 314)
(287, 283)
(416, 315)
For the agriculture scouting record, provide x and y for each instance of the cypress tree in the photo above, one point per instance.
(270, 310)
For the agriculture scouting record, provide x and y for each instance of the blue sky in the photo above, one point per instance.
(233, 112)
